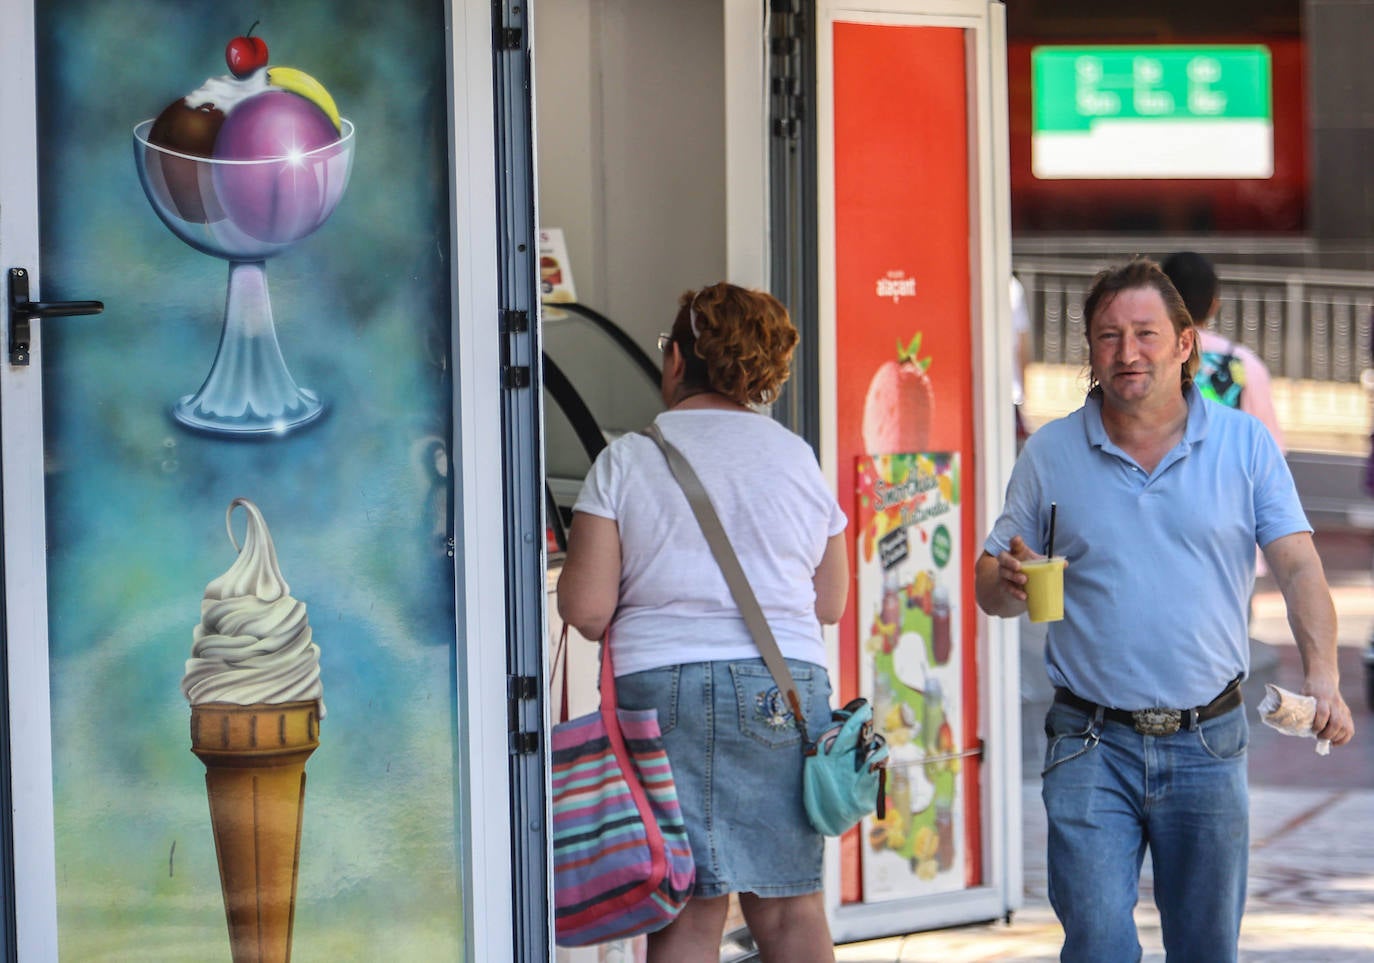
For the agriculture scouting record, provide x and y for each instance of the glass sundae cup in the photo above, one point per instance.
(245, 211)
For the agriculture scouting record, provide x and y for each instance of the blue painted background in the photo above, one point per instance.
(357, 504)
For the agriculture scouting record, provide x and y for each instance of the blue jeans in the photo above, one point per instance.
(1110, 793)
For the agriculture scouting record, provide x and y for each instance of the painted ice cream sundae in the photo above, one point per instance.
(241, 168)
(253, 682)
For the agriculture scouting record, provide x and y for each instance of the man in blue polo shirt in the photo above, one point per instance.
(1161, 500)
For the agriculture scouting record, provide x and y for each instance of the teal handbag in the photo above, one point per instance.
(844, 771)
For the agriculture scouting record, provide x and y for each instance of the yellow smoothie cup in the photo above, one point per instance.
(1045, 588)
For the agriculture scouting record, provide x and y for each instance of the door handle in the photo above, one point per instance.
(22, 310)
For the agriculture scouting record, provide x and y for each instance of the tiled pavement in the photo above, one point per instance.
(1311, 890)
(1311, 894)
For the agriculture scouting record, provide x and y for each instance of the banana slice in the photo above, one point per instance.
(300, 82)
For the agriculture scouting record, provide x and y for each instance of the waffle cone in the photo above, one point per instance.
(255, 779)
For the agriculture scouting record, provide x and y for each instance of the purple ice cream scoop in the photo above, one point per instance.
(275, 191)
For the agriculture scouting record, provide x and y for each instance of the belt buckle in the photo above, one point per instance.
(1157, 722)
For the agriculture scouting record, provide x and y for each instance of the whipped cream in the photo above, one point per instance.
(253, 644)
(227, 92)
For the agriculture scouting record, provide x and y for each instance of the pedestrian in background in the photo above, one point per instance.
(1161, 499)
(1228, 372)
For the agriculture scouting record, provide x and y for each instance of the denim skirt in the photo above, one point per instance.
(736, 756)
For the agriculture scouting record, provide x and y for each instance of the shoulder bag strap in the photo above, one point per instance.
(620, 748)
(560, 669)
(732, 570)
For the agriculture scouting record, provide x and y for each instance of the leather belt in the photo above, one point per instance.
(1158, 722)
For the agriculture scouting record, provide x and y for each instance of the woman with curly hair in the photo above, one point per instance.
(638, 563)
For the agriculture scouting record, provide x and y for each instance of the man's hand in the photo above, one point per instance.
(1312, 616)
(1013, 580)
(1332, 719)
(999, 583)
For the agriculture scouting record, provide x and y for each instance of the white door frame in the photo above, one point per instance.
(746, 142)
(483, 816)
(24, 523)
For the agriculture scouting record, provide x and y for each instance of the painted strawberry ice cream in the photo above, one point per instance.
(253, 644)
(900, 404)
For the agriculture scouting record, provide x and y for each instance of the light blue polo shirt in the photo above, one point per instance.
(1156, 593)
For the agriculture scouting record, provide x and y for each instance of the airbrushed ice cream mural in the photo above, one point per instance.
(242, 168)
(253, 682)
(189, 672)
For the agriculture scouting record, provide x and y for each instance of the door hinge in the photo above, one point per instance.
(520, 688)
(510, 38)
(788, 101)
(513, 322)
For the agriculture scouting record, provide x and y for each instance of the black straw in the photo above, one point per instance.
(1054, 510)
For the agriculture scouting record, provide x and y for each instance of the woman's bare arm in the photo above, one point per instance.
(832, 581)
(589, 586)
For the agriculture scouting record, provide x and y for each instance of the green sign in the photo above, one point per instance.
(1151, 111)
(1075, 86)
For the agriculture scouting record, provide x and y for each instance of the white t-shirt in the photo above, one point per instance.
(776, 507)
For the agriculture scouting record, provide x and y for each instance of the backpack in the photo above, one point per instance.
(1221, 377)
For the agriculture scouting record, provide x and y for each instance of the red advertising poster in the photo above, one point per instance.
(904, 364)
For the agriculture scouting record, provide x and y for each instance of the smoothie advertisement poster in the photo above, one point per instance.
(910, 579)
(904, 419)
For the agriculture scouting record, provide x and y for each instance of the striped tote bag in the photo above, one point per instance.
(622, 864)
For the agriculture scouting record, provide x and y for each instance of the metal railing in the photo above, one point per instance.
(1304, 323)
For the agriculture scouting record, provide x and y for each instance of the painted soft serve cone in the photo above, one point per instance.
(253, 681)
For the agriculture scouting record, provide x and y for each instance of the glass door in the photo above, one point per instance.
(243, 503)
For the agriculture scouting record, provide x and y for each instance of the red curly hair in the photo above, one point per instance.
(743, 343)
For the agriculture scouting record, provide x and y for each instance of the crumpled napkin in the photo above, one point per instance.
(1291, 714)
